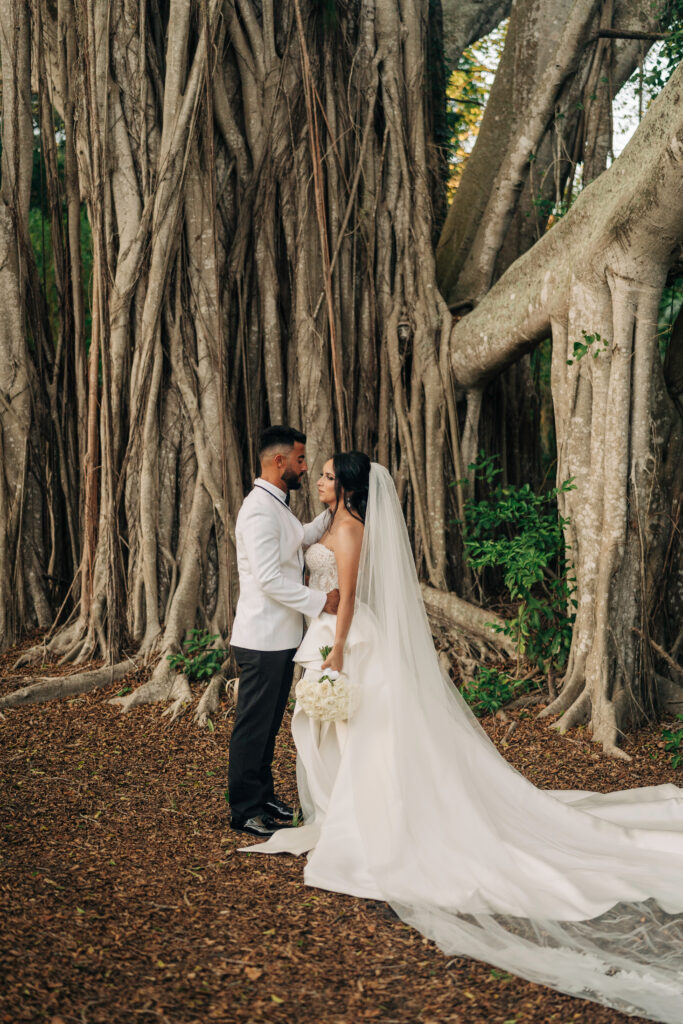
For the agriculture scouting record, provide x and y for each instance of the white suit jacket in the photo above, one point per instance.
(273, 599)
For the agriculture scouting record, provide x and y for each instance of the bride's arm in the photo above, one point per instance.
(314, 530)
(347, 554)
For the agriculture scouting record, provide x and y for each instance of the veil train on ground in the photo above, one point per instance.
(580, 891)
(413, 804)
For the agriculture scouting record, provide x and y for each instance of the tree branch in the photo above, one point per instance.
(621, 33)
(630, 218)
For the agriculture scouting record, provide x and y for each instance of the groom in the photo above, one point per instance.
(269, 625)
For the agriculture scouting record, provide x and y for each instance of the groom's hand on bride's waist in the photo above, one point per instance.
(332, 602)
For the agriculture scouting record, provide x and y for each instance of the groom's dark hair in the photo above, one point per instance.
(279, 437)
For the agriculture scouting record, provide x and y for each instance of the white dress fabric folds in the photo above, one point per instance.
(410, 802)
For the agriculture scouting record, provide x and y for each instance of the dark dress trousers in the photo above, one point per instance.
(265, 681)
(268, 627)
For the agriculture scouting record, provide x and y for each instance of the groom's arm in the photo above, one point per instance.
(314, 530)
(263, 553)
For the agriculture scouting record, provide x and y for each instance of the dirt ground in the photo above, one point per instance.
(122, 896)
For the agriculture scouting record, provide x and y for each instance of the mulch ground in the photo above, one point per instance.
(122, 896)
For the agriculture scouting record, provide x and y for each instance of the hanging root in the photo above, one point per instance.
(44, 688)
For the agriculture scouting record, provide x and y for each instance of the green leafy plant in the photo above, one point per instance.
(198, 660)
(673, 743)
(546, 207)
(593, 343)
(520, 534)
(654, 72)
(467, 92)
(490, 689)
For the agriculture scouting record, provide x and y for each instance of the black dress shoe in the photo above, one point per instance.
(277, 809)
(261, 825)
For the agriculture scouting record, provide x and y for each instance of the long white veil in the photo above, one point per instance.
(579, 891)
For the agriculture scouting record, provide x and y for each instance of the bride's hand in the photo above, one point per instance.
(335, 659)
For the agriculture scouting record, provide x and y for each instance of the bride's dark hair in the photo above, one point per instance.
(352, 476)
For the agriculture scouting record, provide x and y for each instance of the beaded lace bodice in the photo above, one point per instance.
(322, 566)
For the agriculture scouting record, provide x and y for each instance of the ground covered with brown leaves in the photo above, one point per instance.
(122, 896)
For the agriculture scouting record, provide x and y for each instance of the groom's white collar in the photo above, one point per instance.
(275, 491)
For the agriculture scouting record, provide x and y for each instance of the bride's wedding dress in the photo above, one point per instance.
(410, 802)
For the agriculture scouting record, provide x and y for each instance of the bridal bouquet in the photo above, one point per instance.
(328, 696)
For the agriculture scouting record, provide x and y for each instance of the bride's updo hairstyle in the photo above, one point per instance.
(352, 476)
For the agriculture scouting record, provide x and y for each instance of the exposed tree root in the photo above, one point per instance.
(44, 688)
(158, 688)
(210, 699)
(602, 723)
(571, 686)
(57, 645)
(467, 618)
(578, 714)
(527, 701)
(181, 696)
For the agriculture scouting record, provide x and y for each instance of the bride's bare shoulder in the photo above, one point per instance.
(348, 539)
(350, 527)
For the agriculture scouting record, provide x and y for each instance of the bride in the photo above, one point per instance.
(408, 801)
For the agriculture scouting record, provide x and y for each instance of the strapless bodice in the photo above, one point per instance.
(322, 567)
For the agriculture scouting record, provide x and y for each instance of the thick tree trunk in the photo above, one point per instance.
(508, 195)
(600, 272)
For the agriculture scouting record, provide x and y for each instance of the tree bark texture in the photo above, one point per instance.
(262, 182)
(600, 272)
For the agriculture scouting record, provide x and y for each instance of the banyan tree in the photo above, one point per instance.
(247, 222)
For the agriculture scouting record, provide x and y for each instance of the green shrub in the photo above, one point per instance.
(673, 743)
(521, 534)
(198, 660)
(490, 689)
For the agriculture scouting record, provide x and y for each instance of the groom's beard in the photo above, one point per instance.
(291, 480)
